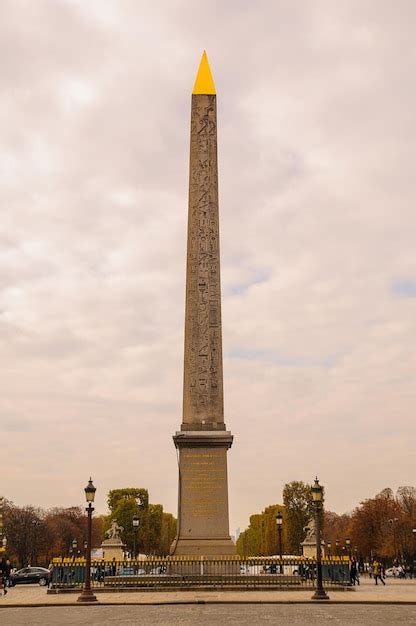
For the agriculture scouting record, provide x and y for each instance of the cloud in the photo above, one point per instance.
(316, 141)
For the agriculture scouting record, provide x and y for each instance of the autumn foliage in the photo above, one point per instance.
(382, 526)
(35, 536)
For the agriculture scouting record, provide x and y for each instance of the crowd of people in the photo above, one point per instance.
(377, 571)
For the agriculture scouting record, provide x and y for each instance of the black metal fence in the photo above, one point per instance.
(196, 573)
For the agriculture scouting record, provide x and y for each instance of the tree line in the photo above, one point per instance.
(35, 535)
(156, 530)
(382, 526)
(261, 536)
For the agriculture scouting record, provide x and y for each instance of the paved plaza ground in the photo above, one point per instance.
(395, 603)
(217, 614)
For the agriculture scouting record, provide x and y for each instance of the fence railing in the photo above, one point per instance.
(193, 572)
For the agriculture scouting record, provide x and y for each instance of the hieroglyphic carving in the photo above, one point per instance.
(203, 379)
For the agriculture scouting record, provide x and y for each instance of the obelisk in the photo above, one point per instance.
(203, 441)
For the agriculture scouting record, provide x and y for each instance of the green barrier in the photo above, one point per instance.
(68, 575)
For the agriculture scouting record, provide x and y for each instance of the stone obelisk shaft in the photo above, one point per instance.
(203, 442)
(203, 405)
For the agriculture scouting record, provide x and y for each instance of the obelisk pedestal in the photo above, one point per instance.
(203, 441)
(203, 527)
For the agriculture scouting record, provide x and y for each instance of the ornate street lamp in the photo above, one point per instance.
(136, 524)
(328, 545)
(317, 496)
(87, 595)
(279, 523)
(74, 547)
(348, 545)
(337, 547)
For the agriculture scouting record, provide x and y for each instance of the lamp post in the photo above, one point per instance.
(317, 495)
(348, 546)
(136, 524)
(279, 524)
(34, 555)
(87, 595)
(2, 537)
(74, 548)
(337, 547)
(328, 545)
(85, 548)
(392, 523)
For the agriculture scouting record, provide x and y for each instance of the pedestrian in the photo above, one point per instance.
(377, 571)
(8, 572)
(354, 572)
(51, 566)
(3, 570)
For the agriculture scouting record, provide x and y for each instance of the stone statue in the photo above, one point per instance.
(310, 531)
(114, 531)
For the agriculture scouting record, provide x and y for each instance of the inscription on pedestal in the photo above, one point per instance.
(204, 495)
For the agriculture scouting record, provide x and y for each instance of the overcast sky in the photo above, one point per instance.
(316, 122)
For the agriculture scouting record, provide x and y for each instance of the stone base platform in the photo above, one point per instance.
(113, 549)
(204, 547)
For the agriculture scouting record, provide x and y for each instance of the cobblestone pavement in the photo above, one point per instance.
(276, 614)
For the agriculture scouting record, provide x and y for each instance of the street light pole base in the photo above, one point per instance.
(320, 594)
(87, 596)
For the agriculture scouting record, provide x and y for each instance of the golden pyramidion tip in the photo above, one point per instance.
(204, 83)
